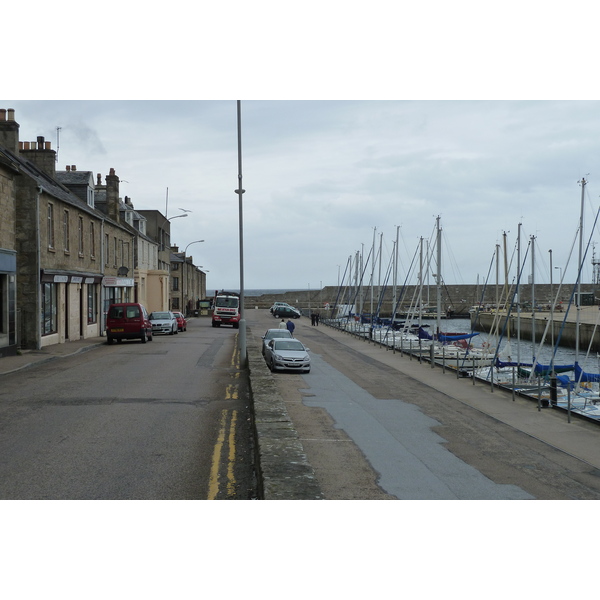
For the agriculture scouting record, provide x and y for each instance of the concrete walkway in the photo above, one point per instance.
(578, 438)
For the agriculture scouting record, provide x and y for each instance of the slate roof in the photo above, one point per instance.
(50, 186)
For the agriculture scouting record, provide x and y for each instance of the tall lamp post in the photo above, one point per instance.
(239, 192)
(184, 276)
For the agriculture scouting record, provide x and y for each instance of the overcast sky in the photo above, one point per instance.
(323, 177)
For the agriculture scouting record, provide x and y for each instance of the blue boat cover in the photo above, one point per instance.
(581, 375)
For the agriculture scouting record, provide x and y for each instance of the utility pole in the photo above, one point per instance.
(239, 192)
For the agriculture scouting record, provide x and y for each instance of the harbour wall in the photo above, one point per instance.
(588, 331)
(458, 298)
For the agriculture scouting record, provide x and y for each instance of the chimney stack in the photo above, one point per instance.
(9, 130)
(112, 195)
(41, 155)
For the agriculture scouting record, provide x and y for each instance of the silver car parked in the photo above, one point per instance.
(282, 354)
(272, 334)
(163, 322)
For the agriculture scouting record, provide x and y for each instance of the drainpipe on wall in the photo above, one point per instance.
(38, 294)
(102, 262)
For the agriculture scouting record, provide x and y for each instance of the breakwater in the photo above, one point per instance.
(458, 299)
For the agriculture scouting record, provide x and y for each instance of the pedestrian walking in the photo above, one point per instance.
(282, 325)
(317, 316)
(313, 318)
(290, 327)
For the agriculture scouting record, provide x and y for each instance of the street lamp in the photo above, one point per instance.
(560, 273)
(184, 274)
(239, 192)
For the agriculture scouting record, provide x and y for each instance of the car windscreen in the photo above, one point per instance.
(159, 315)
(288, 345)
(227, 302)
(278, 333)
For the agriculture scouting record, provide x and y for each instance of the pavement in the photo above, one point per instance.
(28, 358)
(579, 438)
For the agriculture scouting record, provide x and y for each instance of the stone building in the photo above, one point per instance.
(188, 283)
(72, 259)
(158, 229)
(9, 172)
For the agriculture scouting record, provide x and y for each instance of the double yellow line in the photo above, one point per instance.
(226, 435)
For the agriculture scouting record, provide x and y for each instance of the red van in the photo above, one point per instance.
(128, 321)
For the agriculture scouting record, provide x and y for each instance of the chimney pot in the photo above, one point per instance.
(11, 114)
(99, 179)
(47, 145)
(40, 142)
(2, 114)
(68, 168)
(26, 145)
(73, 168)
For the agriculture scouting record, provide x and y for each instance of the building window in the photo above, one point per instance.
(49, 302)
(175, 283)
(175, 304)
(50, 225)
(92, 301)
(116, 252)
(66, 229)
(80, 234)
(92, 240)
(106, 250)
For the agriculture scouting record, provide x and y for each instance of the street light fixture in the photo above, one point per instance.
(184, 274)
(177, 217)
(560, 274)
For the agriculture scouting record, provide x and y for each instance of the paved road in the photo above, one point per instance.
(162, 420)
(377, 425)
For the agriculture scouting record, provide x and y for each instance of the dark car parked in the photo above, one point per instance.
(286, 311)
(128, 321)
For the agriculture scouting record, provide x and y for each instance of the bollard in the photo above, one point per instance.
(553, 392)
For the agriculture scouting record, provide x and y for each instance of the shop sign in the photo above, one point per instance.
(118, 282)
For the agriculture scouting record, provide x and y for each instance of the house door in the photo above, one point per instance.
(67, 311)
(82, 313)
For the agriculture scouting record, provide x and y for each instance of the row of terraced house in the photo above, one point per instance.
(70, 246)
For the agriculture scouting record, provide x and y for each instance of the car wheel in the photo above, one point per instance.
(143, 336)
(150, 337)
(176, 331)
(109, 340)
(171, 332)
(236, 325)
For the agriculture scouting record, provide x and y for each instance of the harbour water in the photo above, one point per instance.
(588, 361)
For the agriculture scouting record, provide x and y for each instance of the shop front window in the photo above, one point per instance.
(49, 302)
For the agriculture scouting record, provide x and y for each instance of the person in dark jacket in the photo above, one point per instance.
(290, 326)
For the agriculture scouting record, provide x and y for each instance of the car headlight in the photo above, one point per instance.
(277, 357)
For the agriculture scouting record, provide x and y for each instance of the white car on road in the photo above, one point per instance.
(163, 322)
